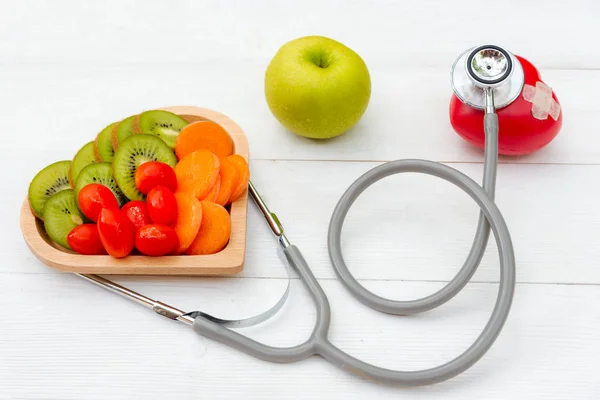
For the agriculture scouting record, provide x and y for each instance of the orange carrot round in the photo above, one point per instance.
(189, 218)
(215, 230)
(214, 192)
(203, 135)
(229, 181)
(244, 176)
(197, 173)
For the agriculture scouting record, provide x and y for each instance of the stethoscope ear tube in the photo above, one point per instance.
(490, 218)
(319, 344)
(420, 166)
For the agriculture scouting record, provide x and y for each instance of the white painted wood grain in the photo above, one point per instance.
(398, 33)
(100, 346)
(407, 116)
(409, 227)
(81, 65)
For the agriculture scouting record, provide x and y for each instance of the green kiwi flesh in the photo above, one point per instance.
(84, 157)
(50, 180)
(101, 173)
(122, 131)
(132, 153)
(61, 215)
(103, 146)
(163, 124)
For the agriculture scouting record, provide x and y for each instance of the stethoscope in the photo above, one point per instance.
(487, 78)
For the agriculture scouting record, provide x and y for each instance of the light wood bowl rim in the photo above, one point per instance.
(227, 262)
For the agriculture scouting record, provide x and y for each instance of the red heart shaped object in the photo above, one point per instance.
(520, 132)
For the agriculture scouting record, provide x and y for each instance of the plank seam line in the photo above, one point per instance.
(307, 160)
(166, 279)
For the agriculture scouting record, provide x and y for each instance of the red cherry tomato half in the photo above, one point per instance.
(116, 232)
(137, 212)
(156, 240)
(94, 197)
(162, 206)
(85, 239)
(155, 173)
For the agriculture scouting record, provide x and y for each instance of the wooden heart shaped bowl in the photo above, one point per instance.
(228, 261)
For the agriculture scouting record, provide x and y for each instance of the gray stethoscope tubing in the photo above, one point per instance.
(318, 343)
(477, 249)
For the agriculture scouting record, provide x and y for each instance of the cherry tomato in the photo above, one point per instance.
(137, 212)
(162, 206)
(155, 173)
(156, 240)
(85, 239)
(94, 197)
(116, 232)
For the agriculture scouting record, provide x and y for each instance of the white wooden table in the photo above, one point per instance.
(69, 68)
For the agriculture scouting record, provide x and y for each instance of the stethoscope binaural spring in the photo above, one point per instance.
(487, 78)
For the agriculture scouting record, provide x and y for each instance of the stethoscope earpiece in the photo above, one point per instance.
(486, 77)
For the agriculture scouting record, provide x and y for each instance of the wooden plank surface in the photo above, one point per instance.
(409, 227)
(407, 116)
(101, 346)
(228, 261)
(69, 68)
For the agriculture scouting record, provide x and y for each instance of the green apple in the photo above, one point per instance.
(316, 87)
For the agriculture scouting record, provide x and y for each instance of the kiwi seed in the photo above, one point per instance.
(61, 215)
(50, 180)
(103, 147)
(84, 157)
(122, 131)
(164, 124)
(99, 173)
(132, 153)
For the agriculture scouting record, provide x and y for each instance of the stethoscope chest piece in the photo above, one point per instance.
(487, 78)
(487, 67)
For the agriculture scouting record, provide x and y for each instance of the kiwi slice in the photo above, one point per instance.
(122, 131)
(132, 153)
(163, 124)
(84, 157)
(50, 180)
(99, 173)
(61, 215)
(103, 147)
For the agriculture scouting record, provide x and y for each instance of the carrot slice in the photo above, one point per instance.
(229, 181)
(197, 173)
(215, 230)
(204, 135)
(189, 217)
(244, 176)
(214, 192)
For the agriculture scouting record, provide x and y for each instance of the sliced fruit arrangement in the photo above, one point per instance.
(204, 135)
(103, 145)
(84, 157)
(163, 124)
(100, 173)
(132, 153)
(61, 216)
(214, 232)
(197, 173)
(49, 181)
(121, 131)
(85, 239)
(151, 184)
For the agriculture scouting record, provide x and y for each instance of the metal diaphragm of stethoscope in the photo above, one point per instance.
(487, 78)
